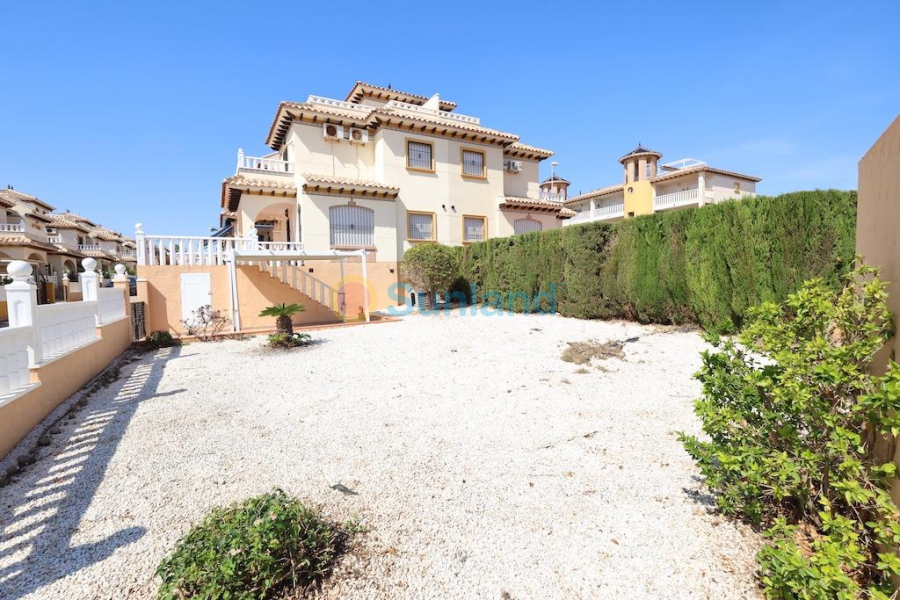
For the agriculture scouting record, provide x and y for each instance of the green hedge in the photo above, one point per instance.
(704, 265)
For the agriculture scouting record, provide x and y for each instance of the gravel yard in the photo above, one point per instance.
(481, 464)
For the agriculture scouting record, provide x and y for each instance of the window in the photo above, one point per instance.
(421, 226)
(526, 226)
(352, 226)
(473, 163)
(474, 228)
(419, 156)
(737, 187)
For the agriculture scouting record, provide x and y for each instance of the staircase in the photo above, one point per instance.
(291, 274)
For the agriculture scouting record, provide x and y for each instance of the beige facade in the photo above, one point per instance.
(648, 187)
(397, 168)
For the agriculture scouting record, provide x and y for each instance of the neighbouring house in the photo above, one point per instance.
(54, 243)
(648, 187)
(355, 181)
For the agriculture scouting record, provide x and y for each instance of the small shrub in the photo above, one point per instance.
(793, 417)
(581, 353)
(293, 340)
(161, 339)
(205, 323)
(430, 268)
(255, 549)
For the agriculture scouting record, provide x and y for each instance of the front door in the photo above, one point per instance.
(196, 291)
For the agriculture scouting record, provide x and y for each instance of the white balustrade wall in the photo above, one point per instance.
(41, 333)
(14, 374)
(66, 326)
(195, 250)
(111, 305)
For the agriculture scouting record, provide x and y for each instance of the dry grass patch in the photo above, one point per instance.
(581, 353)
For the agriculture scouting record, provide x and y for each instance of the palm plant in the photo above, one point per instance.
(283, 313)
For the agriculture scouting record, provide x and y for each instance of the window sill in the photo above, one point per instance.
(368, 248)
(421, 241)
(475, 177)
(470, 242)
(419, 170)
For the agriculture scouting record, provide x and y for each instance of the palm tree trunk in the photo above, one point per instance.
(283, 325)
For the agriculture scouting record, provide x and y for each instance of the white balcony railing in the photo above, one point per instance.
(275, 166)
(198, 250)
(12, 227)
(54, 239)
(443, 114)
(601, 213)
(552, 197)
(338, 104)
(675, 199)
(95, 247)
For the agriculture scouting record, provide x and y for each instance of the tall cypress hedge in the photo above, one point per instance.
(705, 265)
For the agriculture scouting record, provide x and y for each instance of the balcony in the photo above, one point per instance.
(90, 247)
(263, 164)
(12, 228)
(601, 213)
(677, 199)
(552, 197)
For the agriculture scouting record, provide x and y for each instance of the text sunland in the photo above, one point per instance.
(492, 303)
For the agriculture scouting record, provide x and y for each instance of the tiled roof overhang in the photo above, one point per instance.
(530, 205)
(597, 193)
(520, 150)
(679, 172)
(233, 187)
(344, 186)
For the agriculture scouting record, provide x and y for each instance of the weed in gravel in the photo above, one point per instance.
(581, 353)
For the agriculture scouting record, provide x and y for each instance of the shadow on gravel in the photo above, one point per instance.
(42, 510)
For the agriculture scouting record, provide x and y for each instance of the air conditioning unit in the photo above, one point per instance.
(359, 136)
(332, 131)
(514, 166)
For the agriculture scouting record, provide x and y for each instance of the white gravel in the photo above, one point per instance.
(483, 466)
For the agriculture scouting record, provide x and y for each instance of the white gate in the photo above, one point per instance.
(196, 291)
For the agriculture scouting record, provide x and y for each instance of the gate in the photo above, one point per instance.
(138, 327)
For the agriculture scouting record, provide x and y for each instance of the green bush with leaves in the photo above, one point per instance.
(431, 268)
(289, 340)
(161, 339)
(792, 416)
(705, 265)
(255, 549)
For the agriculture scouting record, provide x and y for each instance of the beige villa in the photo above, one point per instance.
(349, 185)
(648, 187)
(382, 170)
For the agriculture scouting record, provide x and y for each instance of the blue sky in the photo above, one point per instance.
(131, 112)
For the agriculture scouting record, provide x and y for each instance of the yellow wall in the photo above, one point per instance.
(639, 198)
(878, 218)
(59, 380)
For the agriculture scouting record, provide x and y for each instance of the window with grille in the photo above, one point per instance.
(420, 155)
(473, 163)
(526, 226)
(473, 229)
(352, 226)
(421, 226)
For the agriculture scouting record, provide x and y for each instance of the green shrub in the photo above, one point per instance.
(255, 549)
(706, 265)
(161, 339)
(792, 417)
(289, 340)
(431, 268)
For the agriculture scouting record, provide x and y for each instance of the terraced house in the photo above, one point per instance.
(649, 187)
(54, 243)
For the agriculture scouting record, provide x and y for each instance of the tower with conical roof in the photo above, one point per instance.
(555, 187)
(639, 167)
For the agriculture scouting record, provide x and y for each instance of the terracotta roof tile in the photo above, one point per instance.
(335, 180)
(707, 168)
(13, 239)
(596, 193)
(527, 149)
(12, 195)
(360, 87)
(517, 202)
